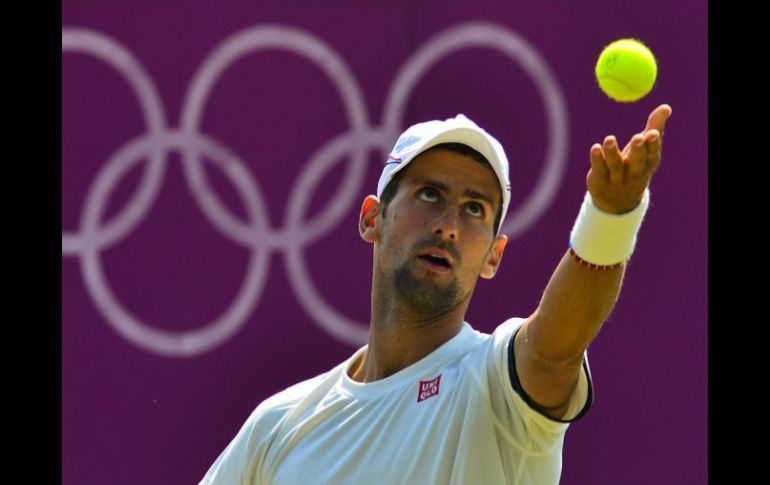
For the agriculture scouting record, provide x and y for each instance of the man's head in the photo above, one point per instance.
(434, 227)
(459, 134)
(392, 187)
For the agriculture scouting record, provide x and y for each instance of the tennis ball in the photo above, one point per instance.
(626, 70)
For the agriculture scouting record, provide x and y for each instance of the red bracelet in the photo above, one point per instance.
(591, 265)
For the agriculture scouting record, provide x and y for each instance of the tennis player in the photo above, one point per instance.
(429, 399)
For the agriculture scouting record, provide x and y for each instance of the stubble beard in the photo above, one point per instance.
(422, 297)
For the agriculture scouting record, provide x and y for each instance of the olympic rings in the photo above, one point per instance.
(166, 343)
(121, 59)
(256, 234)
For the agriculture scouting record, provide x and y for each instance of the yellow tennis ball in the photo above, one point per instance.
(626, 70)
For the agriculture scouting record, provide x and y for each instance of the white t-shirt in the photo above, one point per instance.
(458, 416)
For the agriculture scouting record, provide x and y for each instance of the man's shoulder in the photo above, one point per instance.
(270, 411)
(502, 333)
(508, 328)
(291, 395)
(491, 345)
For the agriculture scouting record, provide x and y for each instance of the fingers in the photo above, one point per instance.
(653, 135)
(642, 156)
(597, 161)
(653, 140)
(637, 157)
(617, 180)
(657, 119)
(613, 160)
(642, 153)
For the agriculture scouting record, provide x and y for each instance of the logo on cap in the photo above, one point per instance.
(406, 142)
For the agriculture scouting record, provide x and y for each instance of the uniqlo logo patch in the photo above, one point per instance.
(428, 388)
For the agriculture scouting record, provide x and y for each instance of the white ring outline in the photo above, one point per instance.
(118, 57)
(185, 343)
(331, 320)
(293, 237)
(483, 34)
(249, 41)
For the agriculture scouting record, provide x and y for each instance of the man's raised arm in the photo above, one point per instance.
(584, 287)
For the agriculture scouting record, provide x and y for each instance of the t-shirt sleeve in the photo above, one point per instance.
(243, 460)
(541, 430)
(238, 462)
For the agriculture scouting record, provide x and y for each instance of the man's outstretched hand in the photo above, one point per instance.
(617, 180)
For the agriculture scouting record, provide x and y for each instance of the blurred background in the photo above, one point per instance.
(214, 158)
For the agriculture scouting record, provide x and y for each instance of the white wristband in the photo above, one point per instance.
(605, 239)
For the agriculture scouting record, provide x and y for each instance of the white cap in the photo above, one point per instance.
(460, 129)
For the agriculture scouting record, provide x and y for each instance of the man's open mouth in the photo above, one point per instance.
(435, 260)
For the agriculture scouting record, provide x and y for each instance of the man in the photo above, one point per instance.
(430, 400)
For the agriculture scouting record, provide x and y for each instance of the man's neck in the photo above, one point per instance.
(398, 339)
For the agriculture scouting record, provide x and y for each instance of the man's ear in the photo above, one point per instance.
(367, 220)
(494, 256)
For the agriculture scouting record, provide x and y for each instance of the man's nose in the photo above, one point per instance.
(447, 225)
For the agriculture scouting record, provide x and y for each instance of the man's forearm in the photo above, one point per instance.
(575, 304)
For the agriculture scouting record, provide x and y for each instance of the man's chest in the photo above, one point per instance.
(416, 432)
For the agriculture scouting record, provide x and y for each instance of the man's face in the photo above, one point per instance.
(436, 236)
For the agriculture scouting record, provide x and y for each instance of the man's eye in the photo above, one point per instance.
(475, 209)
(429, 195)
